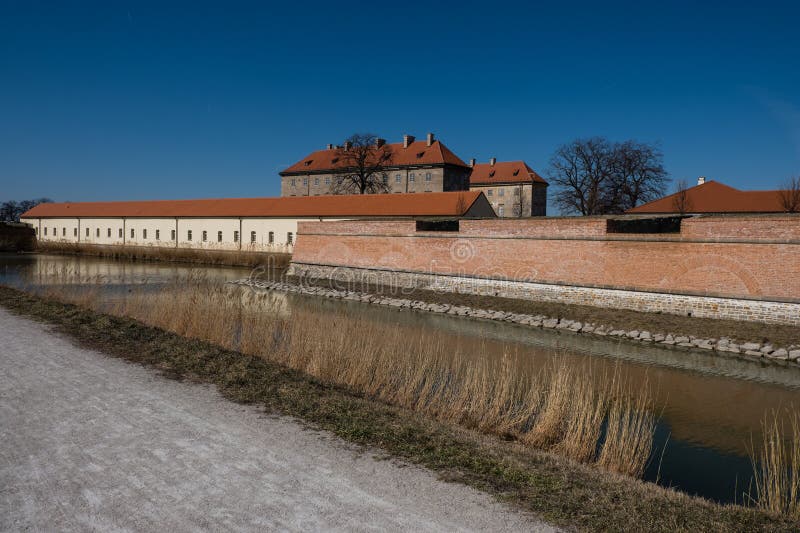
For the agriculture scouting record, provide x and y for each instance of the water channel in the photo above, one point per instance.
(711, 406)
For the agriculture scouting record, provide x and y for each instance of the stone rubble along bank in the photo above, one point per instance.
(768, 352)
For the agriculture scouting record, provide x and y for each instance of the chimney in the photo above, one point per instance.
(347, 145)
(430, 139)
(701, 180)
(380, 142)
(330, 147)
(492, 161)
(472, 162)
(407, 140)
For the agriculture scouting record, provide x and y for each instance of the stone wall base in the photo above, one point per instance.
(649, 302)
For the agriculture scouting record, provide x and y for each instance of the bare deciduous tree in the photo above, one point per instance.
(10, 211)
(595, 177)
(680, 200)
(363, 159)
(790, 195)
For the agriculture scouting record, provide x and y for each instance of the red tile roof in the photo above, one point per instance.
(367, 205)
(503, 172)
(417, 153)
(715, 197)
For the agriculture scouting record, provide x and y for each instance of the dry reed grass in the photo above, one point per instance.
(208, 256)
(562, 407)
(777, 465)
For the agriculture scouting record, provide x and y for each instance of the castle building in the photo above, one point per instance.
(512, 187)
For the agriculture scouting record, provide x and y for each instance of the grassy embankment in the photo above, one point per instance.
(481, 422)
(207, 256)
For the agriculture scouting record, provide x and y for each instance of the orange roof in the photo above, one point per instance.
(367, 205)
(715, 197)
(417, 153)
(503, 172)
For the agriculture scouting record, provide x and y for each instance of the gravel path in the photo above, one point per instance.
(89, 442)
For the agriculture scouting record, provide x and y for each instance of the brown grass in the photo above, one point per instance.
(561, 409)
(206, 256)
(777, 465)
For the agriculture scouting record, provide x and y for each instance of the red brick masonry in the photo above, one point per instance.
(752, 257)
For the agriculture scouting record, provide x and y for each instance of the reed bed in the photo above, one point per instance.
(777, 464)
(569, 409)
(207, 256)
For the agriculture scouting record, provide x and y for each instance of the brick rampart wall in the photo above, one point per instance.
(752, 258)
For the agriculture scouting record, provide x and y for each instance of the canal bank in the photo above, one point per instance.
(560, 491)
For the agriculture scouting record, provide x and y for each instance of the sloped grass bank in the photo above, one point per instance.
(556, 489)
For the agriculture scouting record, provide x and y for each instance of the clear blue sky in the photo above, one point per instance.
(115, 100)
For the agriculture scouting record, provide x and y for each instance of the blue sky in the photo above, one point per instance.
(136, 100)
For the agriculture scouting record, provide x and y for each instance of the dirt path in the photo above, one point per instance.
(88, 442)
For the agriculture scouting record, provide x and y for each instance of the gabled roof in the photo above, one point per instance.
(367, 205)
(503, 172)
(715, 197)
(417, 153)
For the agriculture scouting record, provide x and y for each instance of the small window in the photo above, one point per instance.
(427, 176)
(289, 238)
(74, 232)
(219, 236)
(411, 177)
(271, 237)
(235, 236)
(489, 192)
(398, 178)
(252, 236)
(516, 192)
(294, 182)
(120, 233)
(36, 230)
(45, 230)
(144, 234)
(305, 181)
(205, 236)
(133, 233)
(97, 233)
(501, 210)
(158, 234)
(385, 179)
(108, 233)
(172, 235)
(327, 180)
(189, 235)
(316, 181)
(63, 232)
(87, 232)
(501, 192)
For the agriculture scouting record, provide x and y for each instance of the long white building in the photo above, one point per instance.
(257, 224)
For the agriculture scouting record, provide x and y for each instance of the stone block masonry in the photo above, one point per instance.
(739, 267)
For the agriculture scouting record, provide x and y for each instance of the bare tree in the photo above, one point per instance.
(680, 200)
(11, 211)
(790, 195)
(581, 171)
(363, 160)
(595, 177)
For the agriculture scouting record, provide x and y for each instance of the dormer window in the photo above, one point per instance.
(335, 160)
(491, 173)
(516, 171)
(307, 163)
(420, 154)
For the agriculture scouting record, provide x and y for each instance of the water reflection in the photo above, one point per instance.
(712, 405)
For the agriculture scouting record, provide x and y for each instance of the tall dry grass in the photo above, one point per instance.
(207, 256)
(560, 407)
(777, 464)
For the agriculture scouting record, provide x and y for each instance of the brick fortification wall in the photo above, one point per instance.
(741, 267)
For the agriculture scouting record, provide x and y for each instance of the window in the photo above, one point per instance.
(205, 236)
(97, 233)
(489, 192)
(501, 210)
(516, 192)
(235, 236)
(305, 181)
(189, 235)
(289, 237)
(133, 233)
(219, 236)
(120, 233)
(144, 234)
(398, 178)
(63, 232)
(172, 235)
(36, 230)
(411, 177)
(252, 236)
(385, 179)
(327, 180)
(501, 192)
(45, 230)
(427, 176)
(271, 237)
(74, 232)
(316, 181)
(108, 234)
(87, 232)
(294, 182)
(158, 234)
